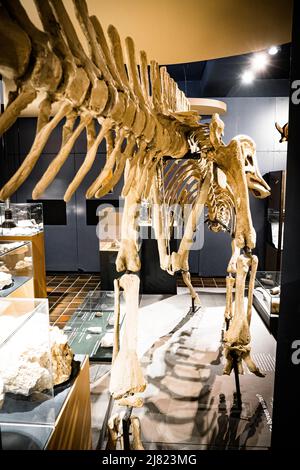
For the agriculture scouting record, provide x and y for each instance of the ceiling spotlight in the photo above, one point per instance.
(273, 50)
(259, 61)
(248, 77)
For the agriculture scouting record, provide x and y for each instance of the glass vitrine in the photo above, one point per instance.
(24, 219)
(27, 412)
(16, 266)
(266, 298)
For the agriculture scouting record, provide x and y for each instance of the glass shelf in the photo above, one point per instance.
(266, 297)
(27, 412)
(90, 330)
(16, 266)
(27, 219)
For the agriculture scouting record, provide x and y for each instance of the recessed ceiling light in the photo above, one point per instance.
(259, 61)
(248, 77)
(273, 50)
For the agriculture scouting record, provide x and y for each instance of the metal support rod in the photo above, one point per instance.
(126, 428)
(237, 381)
(236, 373)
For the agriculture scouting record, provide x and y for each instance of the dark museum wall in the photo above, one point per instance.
(73, 245)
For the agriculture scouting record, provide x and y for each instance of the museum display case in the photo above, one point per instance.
(109, 228)
(21, 219)
(91, 329)
(23, 223)
(33, 409)
(16, 269)
(27, 412)
(266, 297)
(275, 215)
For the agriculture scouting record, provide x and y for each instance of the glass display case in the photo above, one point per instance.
(275, 216)
(91, 329)
(24, 219)
(16, 267)
(266, 297)
(109, 228)
(276, 228)
(27, 412)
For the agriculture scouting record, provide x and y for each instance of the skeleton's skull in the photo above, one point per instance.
(257, 185)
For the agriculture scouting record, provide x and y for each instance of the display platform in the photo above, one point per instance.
(70, 427)
(38, 259)
(17, 283)
(90, 330)
(188, 403)
(16, 269)
(266, 298)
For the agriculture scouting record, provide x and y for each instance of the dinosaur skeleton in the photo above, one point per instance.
(144, 118)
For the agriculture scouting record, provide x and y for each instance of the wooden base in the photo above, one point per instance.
(38, 258)
(26, 291)
(73, 425)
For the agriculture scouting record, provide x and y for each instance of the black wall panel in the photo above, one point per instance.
(286, 414)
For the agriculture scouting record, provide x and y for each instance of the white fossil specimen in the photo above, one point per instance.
(5, 279)
(31, 361)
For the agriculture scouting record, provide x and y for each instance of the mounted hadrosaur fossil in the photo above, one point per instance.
(144, 118)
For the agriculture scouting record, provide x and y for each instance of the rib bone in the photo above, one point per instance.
(60, 159)
(28, 164)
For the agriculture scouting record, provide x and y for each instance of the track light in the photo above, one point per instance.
(248, 77)
(273, 50)
(259, 61)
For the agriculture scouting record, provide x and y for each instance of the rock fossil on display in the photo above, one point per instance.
(23, 264)
(61, 356)
(25, 363)
(3, 267)
(95, 330)
(107, 341)
(5, 279)
(99, 314)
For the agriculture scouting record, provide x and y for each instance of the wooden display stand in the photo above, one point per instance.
(26, 291)
(72, 429)
(38, 258)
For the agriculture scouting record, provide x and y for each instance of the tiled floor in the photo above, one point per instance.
(183, 391)
(198, 281)
(67, 291)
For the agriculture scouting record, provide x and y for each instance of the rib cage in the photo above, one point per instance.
(220, 204)
(182, 180)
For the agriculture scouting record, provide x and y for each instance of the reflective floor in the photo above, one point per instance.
(67, 291)
(189, 403)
